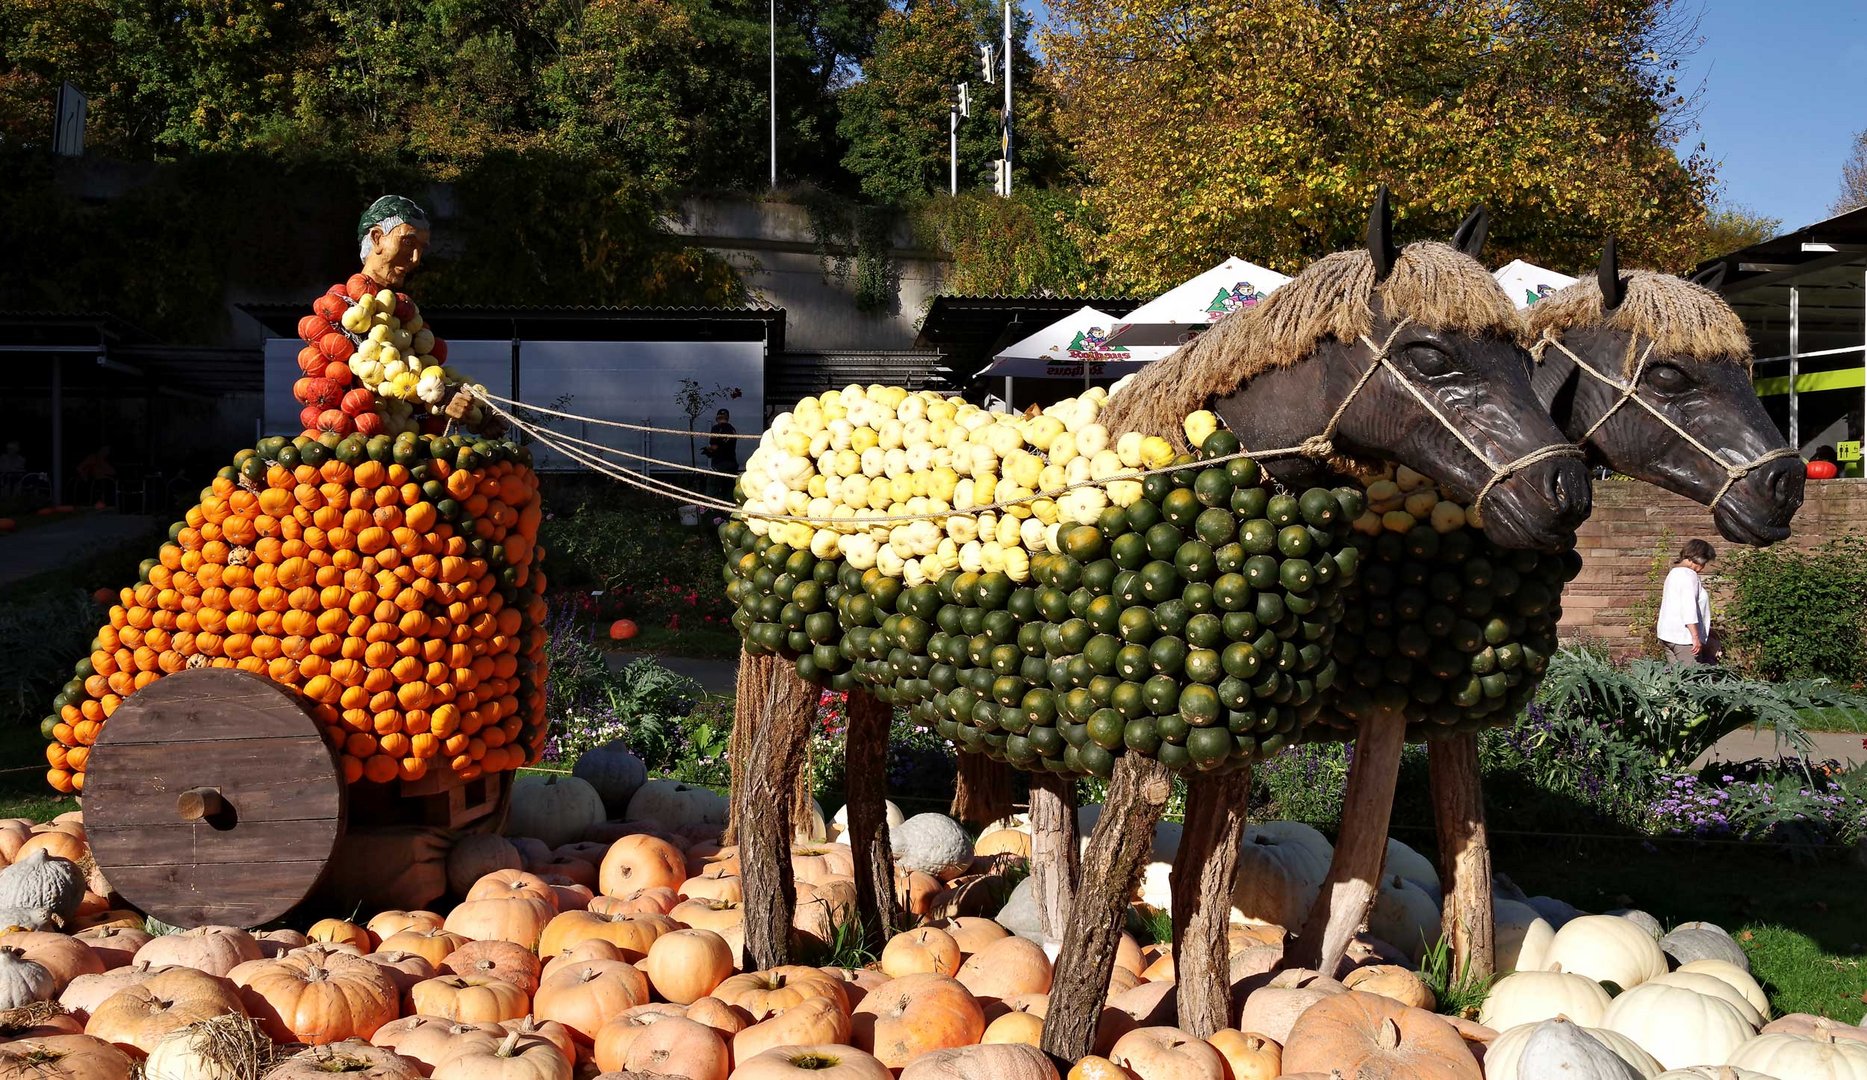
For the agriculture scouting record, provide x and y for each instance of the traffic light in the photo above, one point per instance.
(965, 101)
(988, 62)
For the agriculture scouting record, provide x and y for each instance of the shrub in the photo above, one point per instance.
(1801, 614)
(1678, 712)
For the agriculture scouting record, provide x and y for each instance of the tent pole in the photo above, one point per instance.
(1008, 407)
(1795, 347)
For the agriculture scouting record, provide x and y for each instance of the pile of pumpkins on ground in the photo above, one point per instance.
(602, 937)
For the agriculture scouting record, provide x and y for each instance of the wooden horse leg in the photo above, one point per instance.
(1204, 871)
(777, 707)
(1464, 853)
(1053, 850)
(1118, 849)
(865, 776)
(1349, 892)
(981, 790)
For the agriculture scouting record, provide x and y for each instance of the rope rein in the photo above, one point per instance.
(489, 397)
(1318, 446)
(1630, 391)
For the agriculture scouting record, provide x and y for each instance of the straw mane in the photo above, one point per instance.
(1432, 284)
(1680, 318)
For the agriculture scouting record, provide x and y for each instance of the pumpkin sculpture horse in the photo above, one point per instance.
(1367, 356)
(1452, 327)
(1651, 374)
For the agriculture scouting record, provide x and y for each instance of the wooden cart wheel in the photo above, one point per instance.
(212, 797)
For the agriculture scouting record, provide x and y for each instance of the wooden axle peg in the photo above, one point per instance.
(457, 406)
(199, 804)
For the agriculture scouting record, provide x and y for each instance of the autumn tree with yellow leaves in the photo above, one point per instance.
(1262, 127)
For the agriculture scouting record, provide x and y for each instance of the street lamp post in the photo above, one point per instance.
(773, 14)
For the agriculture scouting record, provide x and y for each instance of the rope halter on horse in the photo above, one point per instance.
(1322, 445)
(1630, 391)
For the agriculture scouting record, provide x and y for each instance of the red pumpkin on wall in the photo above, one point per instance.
(1823, 470)
(623, 630)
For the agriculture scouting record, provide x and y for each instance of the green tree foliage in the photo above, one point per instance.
(1853, 177)
(1802, 614)
(1731, 228)
(673, 91)
(1024, 245)
(896, 119)
(1263, 129)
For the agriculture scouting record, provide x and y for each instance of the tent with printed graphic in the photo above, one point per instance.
(1179, 314)
(1066, 347)
(1526, 283)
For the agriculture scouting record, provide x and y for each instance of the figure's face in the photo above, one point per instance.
(395, 254)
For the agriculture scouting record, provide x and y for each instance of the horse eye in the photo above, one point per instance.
(1667, 377)
(1428, 359)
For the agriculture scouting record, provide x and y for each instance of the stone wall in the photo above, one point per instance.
(1637, 528)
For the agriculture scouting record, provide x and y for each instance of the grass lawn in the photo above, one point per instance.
(1835, 720)
(23, 790)
(1799, 919)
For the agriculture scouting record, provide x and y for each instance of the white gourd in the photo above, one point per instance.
(23, 981)
(1522, 935)
(1802, 1057)
(1713, 1072)
(1679, 1027)
(672, 804)
(1405, 916)
(1560, 1050)
(931, 843)
(42, 882)
(1607, 949)
(1711, 986)
(1736, 977)
(615, 773)
(1413, 866)
(1528, 997)
(555, 809)
(1281, 867)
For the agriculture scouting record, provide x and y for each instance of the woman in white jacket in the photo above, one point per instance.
(1685, 610)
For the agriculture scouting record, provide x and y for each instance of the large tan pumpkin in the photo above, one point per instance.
(915, 1015)
(762, 993)
(922, 949)
(811, 1021)
(473, 999)
(496, 960)
(1167, 1053)
(87, 992)
(827, 1061)
(583, 998)
(213, 949)
(315, 1001)
(431, 944)
(388, 923)
(429, 1039)
(640, 862)
(633, 934)
(63, 1057)
(1375, 1036)
(517, 1057)
(661, 1045)
(1008, 966)
(134, 1019)
(685, 965)
(996, 1062)
(115, 946)
(518, 919)
(1248, 1056)
(352, 1058)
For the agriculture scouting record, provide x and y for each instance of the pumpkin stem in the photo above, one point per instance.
(1388, 1038)
(507, 1048)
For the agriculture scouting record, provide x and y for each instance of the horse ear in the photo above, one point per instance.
(1608, 276)
(1469, 237)
(1381, 235)
(1711, 277)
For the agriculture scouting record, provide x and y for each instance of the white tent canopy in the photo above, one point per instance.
(1175, 316)
(1066, 347)
(1526, 283)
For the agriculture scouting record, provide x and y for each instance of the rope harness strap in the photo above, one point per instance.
(1630, 391)
(1317, 446)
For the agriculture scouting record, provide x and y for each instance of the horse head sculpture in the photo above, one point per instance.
(1651, 374)
(1409, 356)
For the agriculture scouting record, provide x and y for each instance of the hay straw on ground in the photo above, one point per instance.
(233, 1044)
(1432, 284)
(1680, 318)
(27, 1017)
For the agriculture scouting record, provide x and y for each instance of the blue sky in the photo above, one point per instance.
(1784, 89)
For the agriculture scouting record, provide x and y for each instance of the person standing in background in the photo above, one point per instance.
(1685, 609)
(722, 453)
